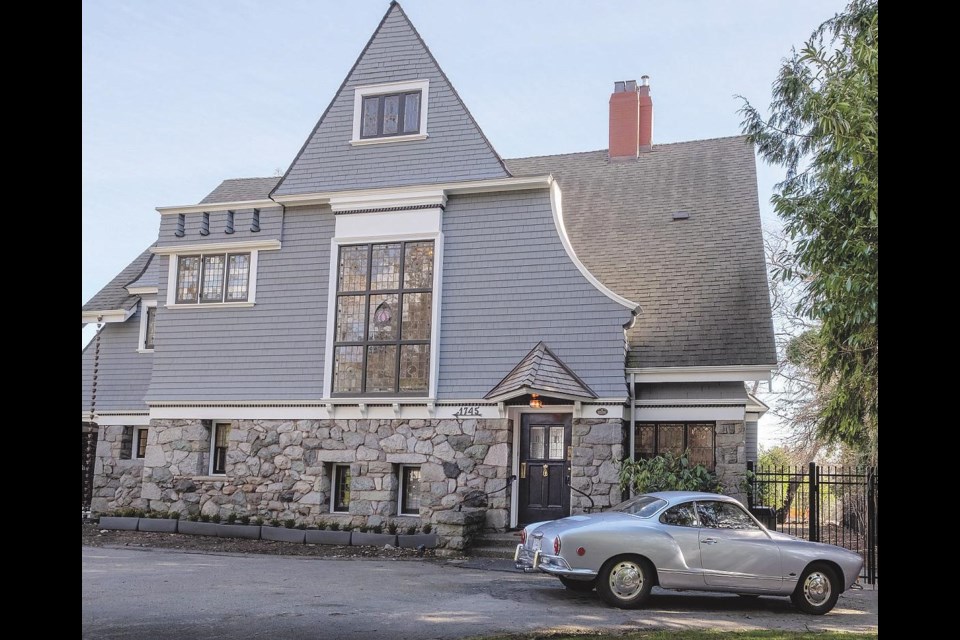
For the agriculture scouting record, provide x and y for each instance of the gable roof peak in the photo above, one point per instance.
(542, 372)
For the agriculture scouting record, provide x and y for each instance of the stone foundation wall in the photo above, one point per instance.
(116, 482)
(282, 469)
(731, 451)
(597, 447)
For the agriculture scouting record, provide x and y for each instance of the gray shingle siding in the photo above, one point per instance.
(123, 374)
(271, 227)
(752, 447)
(692, 391)
(272, 351)
(455, 149)
(508, 284)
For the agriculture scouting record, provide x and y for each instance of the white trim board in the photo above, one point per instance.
(141, 339)
(236, 205)
(689, 414)
(113, 419)
(732, 373)
(212, 247)
(106, 316)
(556, 204)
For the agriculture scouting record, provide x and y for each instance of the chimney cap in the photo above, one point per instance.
(644, 81)
(624, 86)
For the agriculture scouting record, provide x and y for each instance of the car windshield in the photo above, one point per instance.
(643, 506)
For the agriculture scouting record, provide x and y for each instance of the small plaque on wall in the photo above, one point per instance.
(602, 411)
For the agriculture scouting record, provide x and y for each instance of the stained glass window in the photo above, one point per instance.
(391, 114)
(212, 278)
(556, 443)
(697, 439)
(384, 317)
(537, 435)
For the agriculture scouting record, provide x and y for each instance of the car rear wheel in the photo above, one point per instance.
(625, 582)
(817, 591)
(578, 585)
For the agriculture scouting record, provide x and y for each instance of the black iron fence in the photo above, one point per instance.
(832, 504)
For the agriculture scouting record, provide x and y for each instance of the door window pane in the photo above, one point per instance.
(537, 435)
(681, 515)
(556, 443)
(724, 515)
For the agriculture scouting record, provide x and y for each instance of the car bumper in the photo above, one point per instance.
(528, 560)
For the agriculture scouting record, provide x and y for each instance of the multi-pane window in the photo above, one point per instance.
(653, 439)
(151, 326)
(384, 315)
(219, 441)
(216, 277)
(391, 114)
(409, 491)
(140, 443)
(340, 497)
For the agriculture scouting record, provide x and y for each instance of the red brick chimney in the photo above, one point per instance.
(631, 119)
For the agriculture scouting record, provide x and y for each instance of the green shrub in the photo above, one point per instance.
(666, 472)
(173, 515)
(204, 517)
(193, 517)
(334, 526)
(232, 518)
(377, 528)
(244, 519)
(427, 528)
(258, 521)
(289, 523)
(411, 530)
(363, 528)
(275, 522)
(215, 518)
(392, 528)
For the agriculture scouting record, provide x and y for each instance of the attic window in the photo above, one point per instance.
(391, 112)
(681, 215)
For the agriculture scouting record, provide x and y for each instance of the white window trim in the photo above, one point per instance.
(144, 305)
(136, 440)
(400, 489)
(172, 281)
(333, 487)
(213, 443)
(390, 87)
(335, 244)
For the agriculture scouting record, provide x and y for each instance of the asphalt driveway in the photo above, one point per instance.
(133, 593)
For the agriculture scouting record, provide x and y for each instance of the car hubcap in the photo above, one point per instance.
(626, 580)
(816, 588)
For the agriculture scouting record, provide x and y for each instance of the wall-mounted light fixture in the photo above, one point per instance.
(535, 401)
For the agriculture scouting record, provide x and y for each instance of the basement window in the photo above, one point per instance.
(409, 491)
(340, 489)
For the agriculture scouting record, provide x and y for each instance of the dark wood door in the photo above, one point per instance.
(543, 491)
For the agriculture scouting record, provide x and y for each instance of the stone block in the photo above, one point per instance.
(604, 433)
(394, 444)
(406, 458)
(366, 453)
(497, 455)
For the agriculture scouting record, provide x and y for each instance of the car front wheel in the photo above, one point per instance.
(817, 591)
(625, 582)
(578, 585)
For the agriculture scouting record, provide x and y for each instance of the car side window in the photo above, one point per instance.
(681, 515)
(724, 515)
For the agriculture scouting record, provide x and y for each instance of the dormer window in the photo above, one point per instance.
(391, 112)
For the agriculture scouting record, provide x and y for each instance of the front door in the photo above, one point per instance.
(543, 489)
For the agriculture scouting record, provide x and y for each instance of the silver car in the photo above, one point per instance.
(685, 540)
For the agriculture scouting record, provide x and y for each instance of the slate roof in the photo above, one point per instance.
(115, 295)
(701, 282)
(541, 371)
(239, 189)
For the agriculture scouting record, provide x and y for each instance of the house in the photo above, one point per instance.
(405, 324)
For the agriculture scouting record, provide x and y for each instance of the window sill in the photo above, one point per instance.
(144, 350)
(408, 138)
(339, 513)
(212, 305)
(214, 478)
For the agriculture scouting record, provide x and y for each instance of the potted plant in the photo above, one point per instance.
(286, 533)
(328, 533)
(372, 537)
(160, 521)
(197, 525)
(121, 520)
(410, 539)
(238, 527)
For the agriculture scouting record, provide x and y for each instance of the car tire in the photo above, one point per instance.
(578, 585)
(817, 590)
(625, 582)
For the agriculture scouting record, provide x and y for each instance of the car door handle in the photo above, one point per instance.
(709, 541)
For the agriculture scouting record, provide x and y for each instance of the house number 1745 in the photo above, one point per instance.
(467, 411)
